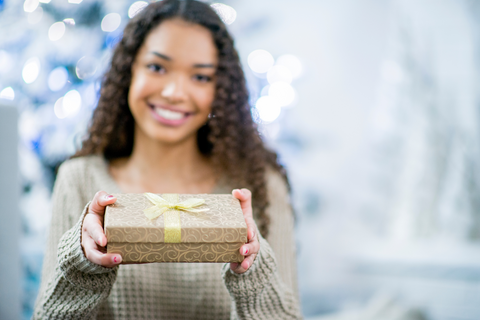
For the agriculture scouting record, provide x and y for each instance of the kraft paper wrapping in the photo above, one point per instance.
(212, 236)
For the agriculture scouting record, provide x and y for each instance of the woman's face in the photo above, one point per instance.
(173, 82)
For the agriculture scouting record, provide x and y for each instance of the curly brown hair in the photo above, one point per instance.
(230, 137)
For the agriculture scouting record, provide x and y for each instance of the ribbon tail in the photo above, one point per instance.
(190, 204)
(195, 210)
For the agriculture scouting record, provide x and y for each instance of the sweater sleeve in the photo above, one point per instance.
(268, 289)
(72, 287)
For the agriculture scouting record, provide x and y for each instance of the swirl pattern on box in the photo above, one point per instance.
(224, 222)
(177, 252)
(212, 236)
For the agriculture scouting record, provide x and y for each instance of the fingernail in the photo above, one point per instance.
(117, 259)
(109, 196)
(245, 251)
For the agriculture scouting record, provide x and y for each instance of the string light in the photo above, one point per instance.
(56, 31)
(268, 109)
(226, 13)
(58, 109)
(136, 7)
(86, 67)
(68, 105)
(30, 5)
(72, 101)
(69, 21)
(264, 91)
(260, 61)
(7, 93)
(57, 78)
(282, 93)
(279, 73)
(292, 63)
(31, 69)
(111, 22)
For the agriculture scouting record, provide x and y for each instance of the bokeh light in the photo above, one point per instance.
(35, 16)
(226, 13)
(136, 7)
(68, 105)
(57, 78)
(268, 109)
(58, 109)
(282, 93)
(45, 1)
(260, 61)
(69, 21)
(72, 101)
(111, 22)
(31, 69)
(86, 67)
(7, 93)
(292, 63)
(264, 91)
(279, 73)
(56, 31)
(30, 5)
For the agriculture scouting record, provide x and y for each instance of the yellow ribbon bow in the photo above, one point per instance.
(171, 206)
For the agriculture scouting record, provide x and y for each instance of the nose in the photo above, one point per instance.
(174, 90)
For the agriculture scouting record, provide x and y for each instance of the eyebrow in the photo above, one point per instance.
(158, 54)
(204, 65)
(197, 65)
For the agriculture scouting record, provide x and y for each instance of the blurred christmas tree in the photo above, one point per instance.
(52, 57)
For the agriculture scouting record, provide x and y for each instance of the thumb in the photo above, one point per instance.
(100, 201)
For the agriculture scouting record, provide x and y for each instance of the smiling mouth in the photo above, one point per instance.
(169, 117)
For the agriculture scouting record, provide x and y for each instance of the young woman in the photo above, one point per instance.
(173, 117)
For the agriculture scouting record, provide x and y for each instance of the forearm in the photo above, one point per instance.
(259, 293)
(77, 286)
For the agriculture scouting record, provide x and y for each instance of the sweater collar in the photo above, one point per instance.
(221, 187)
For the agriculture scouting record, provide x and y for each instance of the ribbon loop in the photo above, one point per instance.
(171, 206)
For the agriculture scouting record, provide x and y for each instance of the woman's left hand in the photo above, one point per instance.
(251, 248)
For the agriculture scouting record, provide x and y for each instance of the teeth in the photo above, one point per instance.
(169, 115)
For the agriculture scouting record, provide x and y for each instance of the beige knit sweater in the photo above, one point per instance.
(74, 288)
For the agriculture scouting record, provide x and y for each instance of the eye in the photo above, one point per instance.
(202, 78)
(156, 68)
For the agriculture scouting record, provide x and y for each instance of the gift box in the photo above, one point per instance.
(175, 228)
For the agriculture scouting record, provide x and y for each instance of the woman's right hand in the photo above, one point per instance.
(93, 237)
